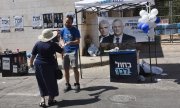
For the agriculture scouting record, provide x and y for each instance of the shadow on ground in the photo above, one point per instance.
(66, 103)
(100, 89)
(172, 71)
(94, 96)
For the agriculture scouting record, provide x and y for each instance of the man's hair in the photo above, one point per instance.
(70, 17)
(103, 22)
(117, 20)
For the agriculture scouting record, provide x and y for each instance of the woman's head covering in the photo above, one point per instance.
(47, 35)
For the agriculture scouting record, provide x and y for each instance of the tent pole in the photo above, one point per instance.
(155, 49)
(79, 46)
(148, 10)
(100, 48)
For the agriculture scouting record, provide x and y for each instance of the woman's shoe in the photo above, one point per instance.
(42, 104)
(51, 102)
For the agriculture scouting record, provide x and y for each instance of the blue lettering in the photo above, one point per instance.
(122, 71)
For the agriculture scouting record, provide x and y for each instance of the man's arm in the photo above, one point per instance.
(61, 42)
(32, 60)
(75, 42)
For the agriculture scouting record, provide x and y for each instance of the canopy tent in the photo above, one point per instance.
(97, 5)
(107, 5)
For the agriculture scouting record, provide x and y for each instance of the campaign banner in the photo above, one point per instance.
(18, 23)
(123, 65)
(125, 27)
(5, 24)
(37, 22)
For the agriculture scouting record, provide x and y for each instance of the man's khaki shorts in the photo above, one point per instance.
(70, 59)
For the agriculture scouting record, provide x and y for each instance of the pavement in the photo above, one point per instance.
(96, 89)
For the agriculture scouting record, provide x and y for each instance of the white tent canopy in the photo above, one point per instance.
(109, 4)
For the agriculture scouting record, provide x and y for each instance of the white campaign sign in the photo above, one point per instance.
(5, 63)
(37, 22)
(18, 23)
(5, 24)
(15, 68)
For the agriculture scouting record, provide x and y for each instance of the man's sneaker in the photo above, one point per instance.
(67, 88)
(77, 87)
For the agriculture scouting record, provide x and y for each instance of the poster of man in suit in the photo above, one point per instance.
(118, 35)
(58, 20)
(47, 20)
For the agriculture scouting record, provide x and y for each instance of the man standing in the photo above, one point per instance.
(70, 39)
(104, 30)
(119, 36)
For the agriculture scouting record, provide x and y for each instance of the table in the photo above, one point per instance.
(124, 65)
(13, 64)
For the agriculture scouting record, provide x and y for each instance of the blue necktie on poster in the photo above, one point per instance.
(117, 40)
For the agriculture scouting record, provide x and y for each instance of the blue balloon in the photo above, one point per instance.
(139, 25)
(157, 20)
(145, 28)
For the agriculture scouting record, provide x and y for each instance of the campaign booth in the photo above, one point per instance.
(124, 66)
(99, 6)
(13, 64)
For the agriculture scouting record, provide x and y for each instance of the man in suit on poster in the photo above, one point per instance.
(55, 21)
(50, 24)
(104, 31)
(118, 36)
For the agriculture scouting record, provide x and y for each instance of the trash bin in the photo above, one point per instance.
(124, 66)
(14, 64)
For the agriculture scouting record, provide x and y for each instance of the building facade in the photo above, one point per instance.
(25, 39)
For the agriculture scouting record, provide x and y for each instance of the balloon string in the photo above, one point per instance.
(148, 7)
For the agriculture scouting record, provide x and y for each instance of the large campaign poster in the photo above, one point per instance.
(5, 24)
(37, 22)
(18, 23)
(118, 30)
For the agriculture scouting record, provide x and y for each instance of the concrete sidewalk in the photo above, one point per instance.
(96, 92)
(96, 89)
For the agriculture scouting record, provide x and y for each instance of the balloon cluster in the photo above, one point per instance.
(148, 20)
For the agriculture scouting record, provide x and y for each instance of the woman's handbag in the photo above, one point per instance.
(58, 72)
